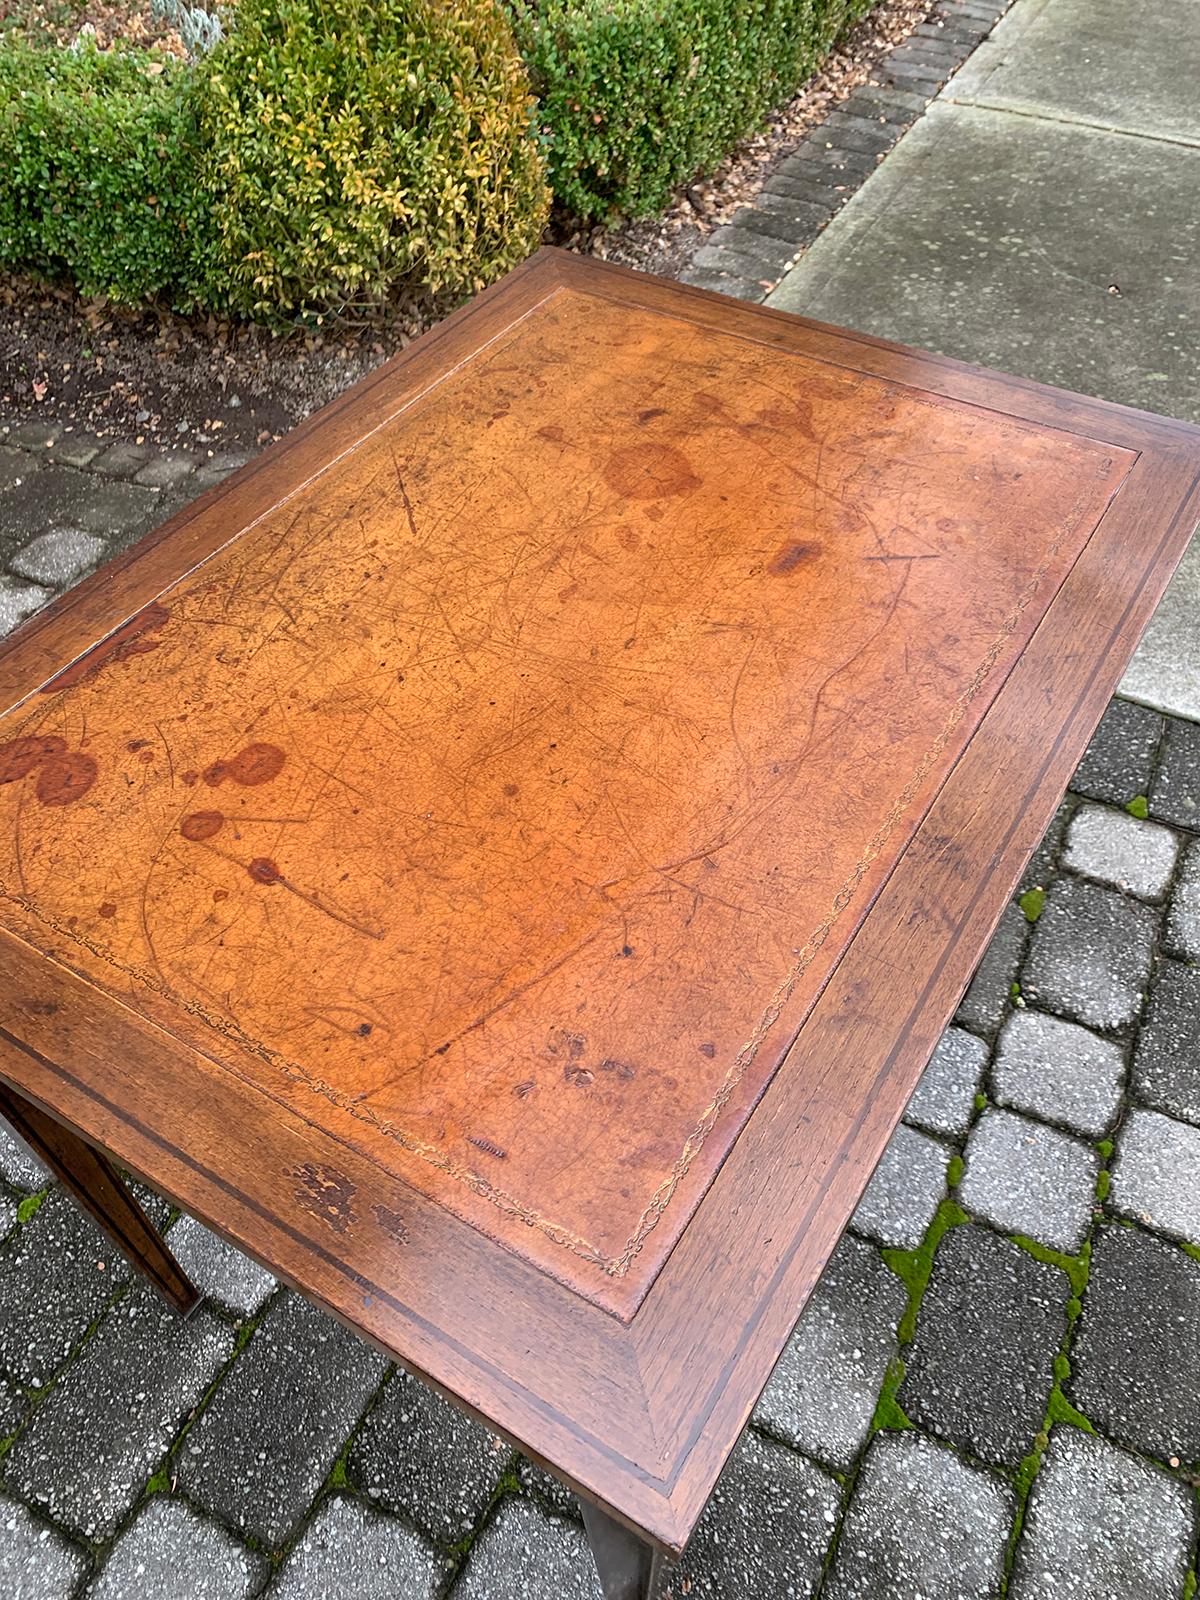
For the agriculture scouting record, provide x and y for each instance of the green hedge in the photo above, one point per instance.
(97, 170)
(328, 153)
(638, 95)
(354, 146)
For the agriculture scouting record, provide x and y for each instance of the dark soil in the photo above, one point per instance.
(165, 379)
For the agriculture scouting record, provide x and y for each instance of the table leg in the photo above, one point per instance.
(95, 1183)
(629, 1567)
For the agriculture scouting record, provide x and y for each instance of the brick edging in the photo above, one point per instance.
(747, 256)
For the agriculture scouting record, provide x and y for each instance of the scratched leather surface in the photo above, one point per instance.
(512, 788)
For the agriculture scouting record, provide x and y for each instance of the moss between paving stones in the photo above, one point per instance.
(1139, 806)
(1032, 903)
(27, 1210)
(913, 1267)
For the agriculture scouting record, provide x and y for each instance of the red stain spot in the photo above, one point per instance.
(648, 416)
(790, 556)
(108, 909)
(649, 472)
(511, 789)
(219, 895)
(552, 432)
(263, 870)
(137, 744)
(707, 1049)
(578, 1075)
(146, 757)
(189, 777)
(130, 639)
(201, 825)
(63, 779)
(257, 763)
(19, 756)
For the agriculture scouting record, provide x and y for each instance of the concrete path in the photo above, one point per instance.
(1043, 217)
(994, 1390)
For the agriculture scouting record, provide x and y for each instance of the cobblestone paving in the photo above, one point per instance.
(994, 1389)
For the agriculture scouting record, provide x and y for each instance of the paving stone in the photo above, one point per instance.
(905, 1190)
(981, 1365)
(1166, 1059)
(18, 601)
(56, 1276)
(349, 1552)
(36, 1563)
(923, 51)
(523, 1554)
(944, 1100)
(122, 460)
(1156, 1179)
(59, 557)
(56, 496)
(1122, 851)
(87, 1452)
(1089, 957)
(420, 1455)
(1117, 765)
(14, 465)
(853, 162)
(1096, 62)
(269, 1436)
(18, 1164)
(1102, 1523)
(813, 188)
(167, 471)
(752, 254)
(846, 132)
(763, 240)
(75, 449)
(33, 435)
(766, 1529)
(1175, 792)
(1135, 1360)
(1027, 1178)
(1058, 1071)
(549, 1489)
(1182, 933)
(719, 282)
(915, 74)
(894, 105)
(986, 1001)
(790, 220)
(218, 1268)
(118, 508)
(921, 1523)
(13, 1407)
(822, 1395)
(1165, 670)
(1040, 867)
(168, 1540)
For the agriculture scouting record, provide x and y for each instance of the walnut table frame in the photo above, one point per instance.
(504, 858)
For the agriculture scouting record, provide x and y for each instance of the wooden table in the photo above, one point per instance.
(505, 857)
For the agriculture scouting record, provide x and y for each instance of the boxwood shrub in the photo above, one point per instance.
(638, 95)
(98, 170)
(356, 146)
